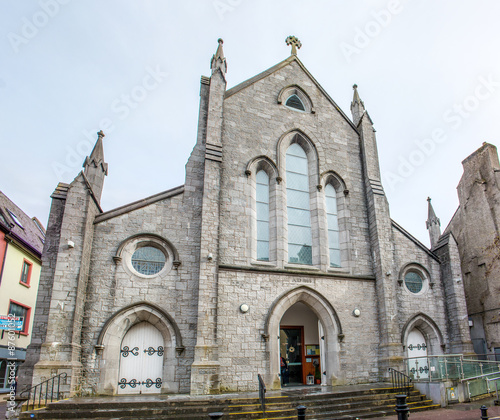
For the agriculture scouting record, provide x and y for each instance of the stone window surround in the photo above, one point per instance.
(290, 90)
(278, 251)
(422, 272)
(127, 248)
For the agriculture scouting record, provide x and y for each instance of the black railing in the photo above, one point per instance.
(262, 394)
(401, 383)
(51, 389)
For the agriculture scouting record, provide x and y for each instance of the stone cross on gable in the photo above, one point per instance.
(294, 42)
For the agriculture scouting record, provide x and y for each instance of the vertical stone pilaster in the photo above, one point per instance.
(390, 349)
(65, 272)
(205, 368)
(456, 308)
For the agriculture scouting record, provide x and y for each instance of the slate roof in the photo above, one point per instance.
(16, 223)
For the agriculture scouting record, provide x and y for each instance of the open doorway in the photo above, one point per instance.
(300, 346)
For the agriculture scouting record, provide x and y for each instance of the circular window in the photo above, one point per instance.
(148, 260)
(414, 282)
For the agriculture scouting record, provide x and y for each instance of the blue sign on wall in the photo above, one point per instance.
(11, 323)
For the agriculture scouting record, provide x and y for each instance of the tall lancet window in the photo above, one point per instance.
(262, 195)
(333, 226)
(298, 210)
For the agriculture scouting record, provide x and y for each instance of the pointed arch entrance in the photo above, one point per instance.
(421, 337)
(303, 305)
(139, 335)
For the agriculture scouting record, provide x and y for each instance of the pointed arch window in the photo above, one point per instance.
(294, 101)
(298, 207)
(333, 225)
(262, 196)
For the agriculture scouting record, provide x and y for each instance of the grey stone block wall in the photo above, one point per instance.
(244, 352)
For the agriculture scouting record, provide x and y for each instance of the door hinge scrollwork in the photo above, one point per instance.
(151, 351)
(125, 351)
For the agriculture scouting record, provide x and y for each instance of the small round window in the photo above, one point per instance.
(414, 282)
(148, 260)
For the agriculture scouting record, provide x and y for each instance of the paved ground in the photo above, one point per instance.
(466, 411)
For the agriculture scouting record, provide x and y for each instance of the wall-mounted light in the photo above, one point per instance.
(71, 244)
(210, 257)
(244, 308)
(356, 312)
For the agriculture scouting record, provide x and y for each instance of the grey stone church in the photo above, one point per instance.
(278, 249)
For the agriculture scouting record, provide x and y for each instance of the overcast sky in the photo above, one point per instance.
(427, 71)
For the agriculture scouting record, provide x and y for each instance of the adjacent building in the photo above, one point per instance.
(475, 228)
(279, 244)
(21, 243)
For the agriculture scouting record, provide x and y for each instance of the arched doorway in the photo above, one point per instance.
(139, 327)
(300, 346)
(141, 360)
(318, 308)
(421, 338)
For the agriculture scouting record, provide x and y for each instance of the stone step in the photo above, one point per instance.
(343, 405)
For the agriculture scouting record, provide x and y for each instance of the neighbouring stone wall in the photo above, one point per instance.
(476, 228)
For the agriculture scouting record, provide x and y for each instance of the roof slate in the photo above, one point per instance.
(30, 233)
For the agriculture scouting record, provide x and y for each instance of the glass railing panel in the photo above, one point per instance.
(477, 387)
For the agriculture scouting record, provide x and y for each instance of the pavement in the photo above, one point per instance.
(462, 411)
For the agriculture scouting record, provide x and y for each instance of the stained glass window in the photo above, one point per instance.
(414, 282)
(294, 102)
(148, 260)
(333, 226)
(299, 217)
(262, 195)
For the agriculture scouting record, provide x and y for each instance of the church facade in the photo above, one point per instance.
(278, 249)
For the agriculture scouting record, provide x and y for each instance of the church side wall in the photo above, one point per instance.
(431, 300)
(113, 286)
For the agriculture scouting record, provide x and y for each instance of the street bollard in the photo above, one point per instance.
(484, 412)
(301, 412)
(401, 407)
(215, 415)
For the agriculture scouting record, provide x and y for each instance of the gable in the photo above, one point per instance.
(277, 72)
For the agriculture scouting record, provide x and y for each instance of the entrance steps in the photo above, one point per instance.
(361, 402)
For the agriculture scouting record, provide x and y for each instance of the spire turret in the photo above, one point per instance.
(95, 169)
(357, 106)
(218, 60)
(433, 225)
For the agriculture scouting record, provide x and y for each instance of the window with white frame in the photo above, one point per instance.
(262, 210)
(298, 206)
(333, 226)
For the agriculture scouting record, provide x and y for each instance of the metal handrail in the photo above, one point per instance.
(262, 394)
(33, 390)
(400, 382)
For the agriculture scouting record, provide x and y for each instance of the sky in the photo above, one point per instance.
(427, 71)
